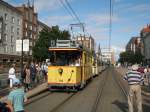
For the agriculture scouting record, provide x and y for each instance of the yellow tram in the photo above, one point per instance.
(71, 66)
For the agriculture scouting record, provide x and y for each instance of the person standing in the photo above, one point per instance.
(27, 80)
(32, 73)
(11, 74)
(44, 69)
(17, 96)
(134, 79)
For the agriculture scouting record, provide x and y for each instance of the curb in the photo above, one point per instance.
(31, 93)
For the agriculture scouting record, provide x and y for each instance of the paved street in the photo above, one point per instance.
(112, 99)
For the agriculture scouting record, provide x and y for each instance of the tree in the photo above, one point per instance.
(40, 50)
(130, 57)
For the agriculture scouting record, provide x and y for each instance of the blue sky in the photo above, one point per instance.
(129, 17)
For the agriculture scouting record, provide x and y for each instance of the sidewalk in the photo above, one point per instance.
(32, 92)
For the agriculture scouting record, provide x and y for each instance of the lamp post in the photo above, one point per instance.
(21, 58)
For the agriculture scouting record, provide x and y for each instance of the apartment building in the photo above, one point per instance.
(134, 45)
(88, 42)
(145, 38)
(10, 31)
(29, 26)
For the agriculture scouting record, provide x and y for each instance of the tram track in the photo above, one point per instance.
(55, 109)
(117, 80)
(99, 94)
(37, 97)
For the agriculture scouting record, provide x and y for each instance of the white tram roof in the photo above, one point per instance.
(65, 45)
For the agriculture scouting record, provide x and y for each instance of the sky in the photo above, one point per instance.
(128, 18)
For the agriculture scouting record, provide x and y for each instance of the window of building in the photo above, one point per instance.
(5, 37)
(5, 49)
(12, 48)
(26, 25)
(26, 34)
(30, 35)
(30, 44)
(17, 31)
(31, 27)
(30, 52)
(12, 29)
(11, 39)
(6, 16)
(0, 36)
(0, 25)
(5, 27)
(35, 29)
(13, 20)
(18, 21)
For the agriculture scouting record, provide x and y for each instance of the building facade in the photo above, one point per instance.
(88, 42)
(108, 55)
(145, 38)
(29, 26)
(42, 26)
(10, 31)
(134, 45)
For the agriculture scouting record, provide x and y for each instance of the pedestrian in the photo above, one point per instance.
(12, 74)
(38, 69)
(32, 74)
(23, 74)
(5, 107)
(134, 79)
(27, 80)
(44, 69)
(17, 96)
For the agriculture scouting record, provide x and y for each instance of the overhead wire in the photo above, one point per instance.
(64, 5)
(110, 22)
(68, 4)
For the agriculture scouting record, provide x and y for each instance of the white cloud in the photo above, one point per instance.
(139, 7)
(102, 19)
(46, 5)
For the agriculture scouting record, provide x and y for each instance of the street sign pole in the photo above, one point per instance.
(22, 45)
(21, 58)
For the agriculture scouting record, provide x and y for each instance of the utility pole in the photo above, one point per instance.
(80, 25)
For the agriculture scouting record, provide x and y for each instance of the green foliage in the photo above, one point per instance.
(131, 57)
(40, 50)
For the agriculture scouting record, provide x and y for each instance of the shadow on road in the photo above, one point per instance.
(122, 105)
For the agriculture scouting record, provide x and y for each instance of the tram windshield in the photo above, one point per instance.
(65, 58)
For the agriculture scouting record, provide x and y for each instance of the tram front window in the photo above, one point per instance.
(66, 59)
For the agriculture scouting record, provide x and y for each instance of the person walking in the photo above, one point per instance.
(12, 74)
(134, 79)
(17, 96)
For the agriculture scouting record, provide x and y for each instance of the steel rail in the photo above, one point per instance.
(99, 94)
(62, 103)
(120, 85)
(37, 97)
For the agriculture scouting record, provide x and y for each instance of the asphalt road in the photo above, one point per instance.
(112, 100)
